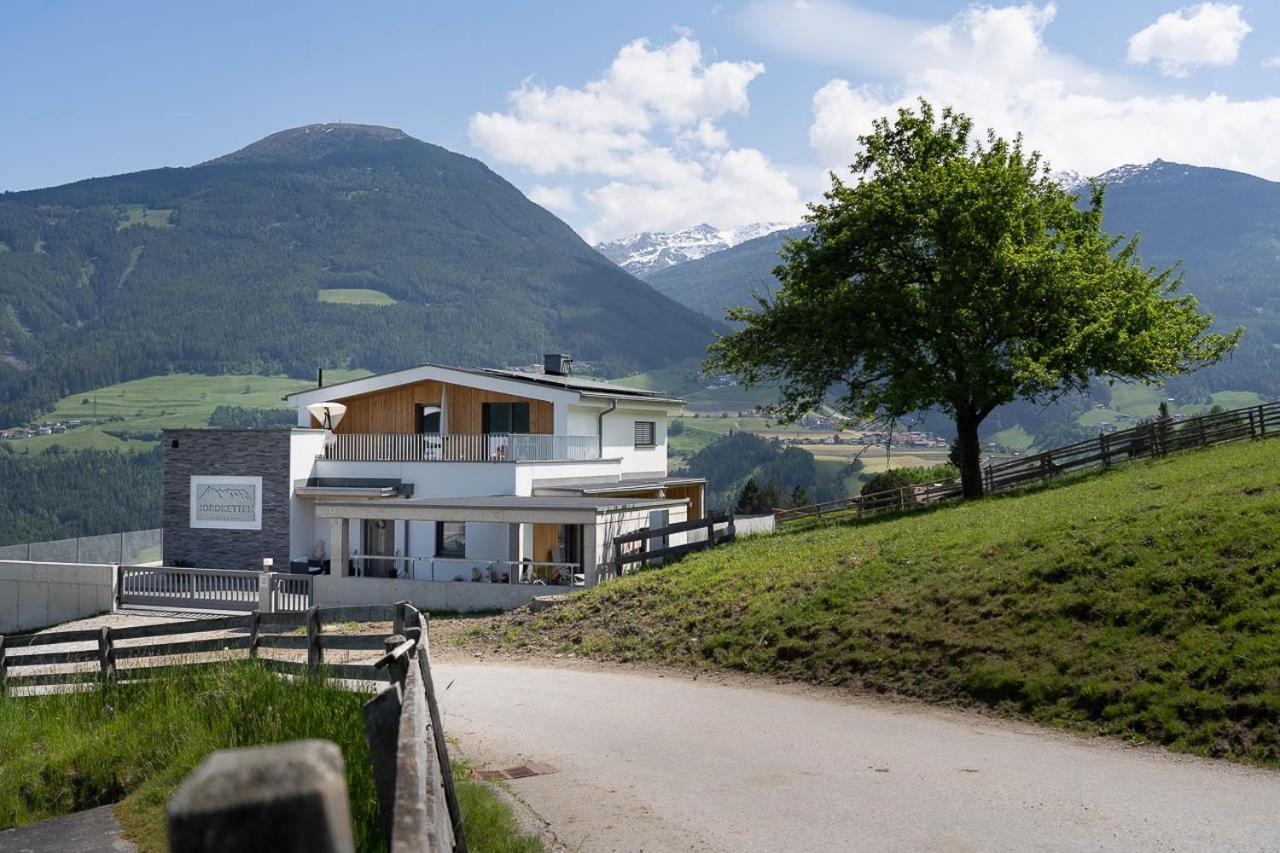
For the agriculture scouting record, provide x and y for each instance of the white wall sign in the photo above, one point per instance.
(229, 503)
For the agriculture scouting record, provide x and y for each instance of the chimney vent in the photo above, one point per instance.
(557, 364)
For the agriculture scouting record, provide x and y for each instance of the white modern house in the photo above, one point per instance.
(427, 483)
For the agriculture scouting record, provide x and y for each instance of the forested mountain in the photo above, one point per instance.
(58, 495)
(1223, 226)
(220, 267)
(713, 284)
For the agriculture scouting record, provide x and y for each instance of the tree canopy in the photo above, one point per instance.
(955, 273)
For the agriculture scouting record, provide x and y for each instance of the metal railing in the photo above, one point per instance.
(486, 571)
(212, 589)
(458, 447)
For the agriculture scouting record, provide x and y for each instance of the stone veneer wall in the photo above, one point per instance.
(231, 453)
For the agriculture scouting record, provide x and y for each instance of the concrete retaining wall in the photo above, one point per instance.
(37, 595)
(463, 597)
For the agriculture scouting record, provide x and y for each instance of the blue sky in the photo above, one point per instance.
(622, 117)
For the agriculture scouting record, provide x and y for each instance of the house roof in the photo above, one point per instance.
(583, 387)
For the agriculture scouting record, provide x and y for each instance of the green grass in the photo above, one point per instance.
(354, 296)
(1143, 603)
(131, 215)
(1013, 438)
(163, 402)
(1143, 401)
(134, 744)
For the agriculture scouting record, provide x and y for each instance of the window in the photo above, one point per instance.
(646, 431)
(504, 417)
(451, 539)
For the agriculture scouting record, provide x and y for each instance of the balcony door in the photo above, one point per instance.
(504, 418)
(427, 424)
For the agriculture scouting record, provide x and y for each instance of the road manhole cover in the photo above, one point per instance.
(523, 771)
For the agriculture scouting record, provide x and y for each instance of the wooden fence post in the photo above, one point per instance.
(1262, 421)
(106, 655)
(423, 654)
(288, 797)
(397, 624)
(382, 732)
(1104, 449)
(397, 670)
(731, 533)
(1204, 440)
(4, 668)
(255, 623)
(315, 656)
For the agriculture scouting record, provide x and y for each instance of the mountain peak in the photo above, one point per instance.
(312, 142)
(648, 252)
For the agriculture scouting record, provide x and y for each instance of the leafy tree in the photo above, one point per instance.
(799, 497)
(770, 497)
(956, 273)
(749, 499)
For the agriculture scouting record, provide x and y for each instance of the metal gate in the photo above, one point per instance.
(213, 589)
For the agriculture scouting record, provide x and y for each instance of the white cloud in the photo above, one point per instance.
(1081, 121)
(648, 129)
(554, 198)
(1207, 34)
(1271, 62)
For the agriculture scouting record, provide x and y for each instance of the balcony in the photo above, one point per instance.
(454, 447)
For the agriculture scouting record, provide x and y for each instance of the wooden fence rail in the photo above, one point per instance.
(1153, 439)
(623, 556)
(24, 662)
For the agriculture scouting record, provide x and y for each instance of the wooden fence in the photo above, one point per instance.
(1153, 439)
(407, 746)
(141, 651)
(623, 556)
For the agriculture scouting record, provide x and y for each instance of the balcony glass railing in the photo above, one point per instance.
(453, 447)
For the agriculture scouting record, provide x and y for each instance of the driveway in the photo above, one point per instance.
(645, 762)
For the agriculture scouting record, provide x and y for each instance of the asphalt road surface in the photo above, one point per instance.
(650, 763)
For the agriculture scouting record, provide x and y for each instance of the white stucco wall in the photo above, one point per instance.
(461, 596)
(37, 595)
(619, 440)
(304, 446)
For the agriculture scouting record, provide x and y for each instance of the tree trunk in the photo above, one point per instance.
(970, 454)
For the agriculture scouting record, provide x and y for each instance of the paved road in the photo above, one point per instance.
(92, 831)
(648, 763)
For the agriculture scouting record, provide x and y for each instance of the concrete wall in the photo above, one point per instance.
(37, 595)
(229, 453)
(463, 597)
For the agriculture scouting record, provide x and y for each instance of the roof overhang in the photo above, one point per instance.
(503, 509)
(535, 386)
(352, 487)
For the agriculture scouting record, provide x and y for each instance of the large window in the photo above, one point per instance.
(451, 539)
(646, 433)
(504, 417)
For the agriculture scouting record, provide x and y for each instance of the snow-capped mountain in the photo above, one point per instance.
(1156, 170)
(645, 253)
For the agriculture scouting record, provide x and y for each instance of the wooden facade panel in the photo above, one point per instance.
(545, 537)
(394, 410)
(465, 410)
(693, 492)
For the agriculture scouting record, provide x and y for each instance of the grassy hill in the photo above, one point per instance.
(1143, 602)
(325, 246)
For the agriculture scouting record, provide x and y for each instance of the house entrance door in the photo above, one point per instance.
(379, 540)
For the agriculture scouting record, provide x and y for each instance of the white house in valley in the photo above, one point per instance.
(453, 487)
